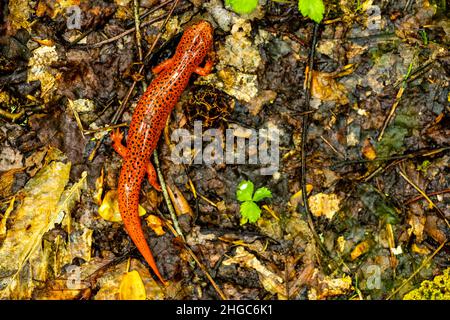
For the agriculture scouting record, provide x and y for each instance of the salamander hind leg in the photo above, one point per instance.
(204, 71)
(152, 176)
(116, 137)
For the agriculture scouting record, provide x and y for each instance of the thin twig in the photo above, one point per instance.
(150, 11)
(162, 181)
(304, 137)
(392, 111)
(202, 267)
(396, 102)
(429, 194)
(127, 32)
(432, 204)
(137, 23)
(152, 47)
(332, 147)
(423, 153)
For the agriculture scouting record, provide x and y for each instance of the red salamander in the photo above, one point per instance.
(149, 119)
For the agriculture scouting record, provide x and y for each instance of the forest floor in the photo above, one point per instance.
(355, 112)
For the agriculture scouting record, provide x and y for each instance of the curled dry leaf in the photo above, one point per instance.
(155, 223)
(417, 224)
(179, 201)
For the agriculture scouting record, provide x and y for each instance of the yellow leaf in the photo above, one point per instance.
(132, 287)
(40, 68)
(109, 209)
(360, 249)
(45, 42)
(297, 197)
(19, 13)
(156, 224)
(330, 287)
(420, 249)
(99, 188)
(368, 150)
(37, 213)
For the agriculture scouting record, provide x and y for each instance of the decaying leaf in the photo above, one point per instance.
(331, 287)
(325, 87)
(19, 13)
(238, 60)
(7, 181)
(36, 214)
(81, 242)
(5, 218)
(70, 197)
(10, 159)
(432, 228)
(57, 7)
(323, 204)
(132, 287)
(40, 69)
(271, 281)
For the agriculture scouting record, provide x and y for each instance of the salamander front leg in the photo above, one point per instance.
(152, 176)
(116, 137)
(204, 71)
(163, 65)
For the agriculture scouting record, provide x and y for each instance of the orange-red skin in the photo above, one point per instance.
(149, 119)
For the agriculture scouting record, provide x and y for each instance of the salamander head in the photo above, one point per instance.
(197, 41)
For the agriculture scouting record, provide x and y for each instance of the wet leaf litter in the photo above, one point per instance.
(369, 83)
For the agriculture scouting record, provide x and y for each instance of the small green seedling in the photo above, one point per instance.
(250, 211)
(312, 8)
(424, 166)
(242, 6)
